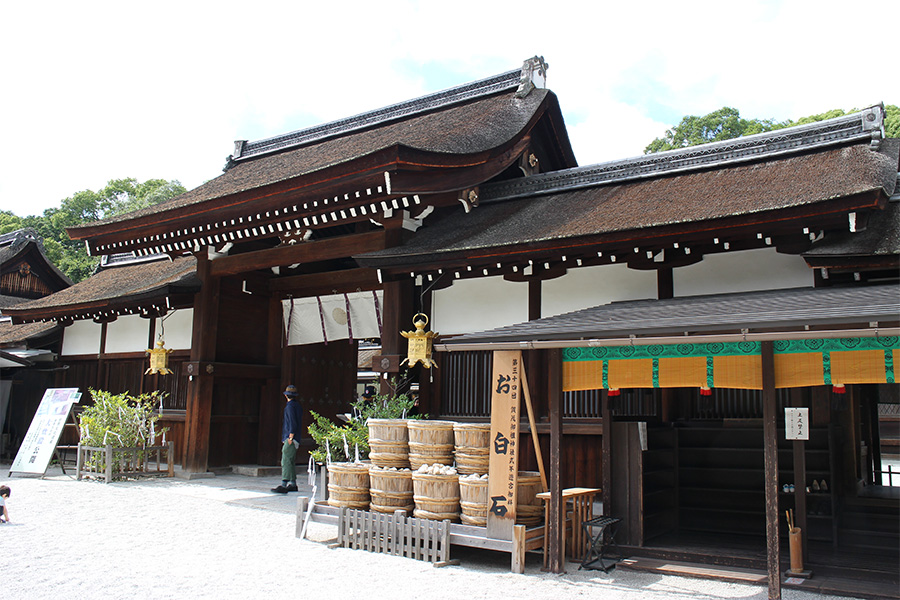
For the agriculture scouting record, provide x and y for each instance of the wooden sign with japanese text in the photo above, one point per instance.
(504, 444)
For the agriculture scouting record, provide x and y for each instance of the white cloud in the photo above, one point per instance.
(96, 91)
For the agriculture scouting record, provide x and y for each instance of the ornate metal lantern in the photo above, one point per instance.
(159, 359)
(420, 342)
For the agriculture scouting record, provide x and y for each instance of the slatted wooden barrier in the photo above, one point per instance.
(397, 534)
(111, 462)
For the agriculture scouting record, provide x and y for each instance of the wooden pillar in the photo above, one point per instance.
(665, 283)
(606, 456)
(271, 404)
(534, 299)
(770, 446)
(799, 452)
(556, 521)
(200, 386)
(398, 312)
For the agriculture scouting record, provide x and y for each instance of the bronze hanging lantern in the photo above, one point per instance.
(159, 359)
(420, 343)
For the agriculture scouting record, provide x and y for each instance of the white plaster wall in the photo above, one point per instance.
(478, 305)
(743, 271)
(585, 287)
(128, 333)
(81, 337)
(177, 329)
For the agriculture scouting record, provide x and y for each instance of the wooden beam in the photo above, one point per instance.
(799, 451)
(556, 519)
(319, 284)
(235, 370)
(305, 252)
(770, 446)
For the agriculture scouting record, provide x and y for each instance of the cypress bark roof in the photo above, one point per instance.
(118, 287)
(644, 202)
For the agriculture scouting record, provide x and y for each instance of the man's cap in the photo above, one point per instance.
(369, 391)
(291, 391)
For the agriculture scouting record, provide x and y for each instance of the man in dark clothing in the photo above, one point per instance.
(290, 440)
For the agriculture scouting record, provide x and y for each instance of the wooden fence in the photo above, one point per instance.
(111, 462)
(397, 534)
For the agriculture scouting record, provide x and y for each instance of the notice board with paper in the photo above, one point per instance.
(43, 434)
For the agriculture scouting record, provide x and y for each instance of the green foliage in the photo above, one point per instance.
(723, 124)
(120, 420)
(726, 123)
(892, 120)
(118, 197)
(356, 432)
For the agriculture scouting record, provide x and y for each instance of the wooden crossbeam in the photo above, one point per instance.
(304, 252)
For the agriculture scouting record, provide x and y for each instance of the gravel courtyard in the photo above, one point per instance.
(228, 537)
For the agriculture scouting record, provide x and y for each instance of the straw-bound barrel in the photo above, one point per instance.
(473, 499)
(430, 442)
(436, 495)
(388, 442)
(472, 447)
(529, 509)
(348, 485)
(391, 489)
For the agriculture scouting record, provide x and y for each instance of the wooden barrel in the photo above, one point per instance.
(430, 442)
(436, 496)
(529, 509)
(472, 435)
(391, 490)
(388, 443)
(423, 431)
(348, 485)
(472, 449)
(473, 500)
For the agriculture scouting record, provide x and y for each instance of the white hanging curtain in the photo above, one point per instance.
(328, 318)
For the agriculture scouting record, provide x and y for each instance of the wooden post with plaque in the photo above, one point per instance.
(503, 467)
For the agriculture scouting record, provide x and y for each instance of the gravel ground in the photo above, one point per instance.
(228, 537)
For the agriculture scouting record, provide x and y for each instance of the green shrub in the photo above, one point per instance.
(356, 432)
(120, 420)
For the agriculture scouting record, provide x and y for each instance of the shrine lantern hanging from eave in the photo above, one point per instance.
(420, 343)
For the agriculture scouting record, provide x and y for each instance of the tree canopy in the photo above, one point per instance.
(118, 197)
(726, 124)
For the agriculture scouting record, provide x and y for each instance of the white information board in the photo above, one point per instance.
(43, 434)
(796, 423)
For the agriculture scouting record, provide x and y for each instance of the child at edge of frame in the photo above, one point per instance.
(4, 512)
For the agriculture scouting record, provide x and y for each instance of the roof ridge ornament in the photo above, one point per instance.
(873, 122)
(534, 75)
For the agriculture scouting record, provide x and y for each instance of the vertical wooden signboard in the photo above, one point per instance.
(504, 445)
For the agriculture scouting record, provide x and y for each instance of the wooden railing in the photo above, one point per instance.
(111, 462)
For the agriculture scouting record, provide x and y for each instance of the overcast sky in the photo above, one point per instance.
(97, 91)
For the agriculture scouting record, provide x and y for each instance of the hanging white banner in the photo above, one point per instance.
(337, 317)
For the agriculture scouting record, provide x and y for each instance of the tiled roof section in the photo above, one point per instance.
(739, 189)
(20, 334)
(866, 125)
(132, 281)
(476, 126)
(718, 312)
(477, 89)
